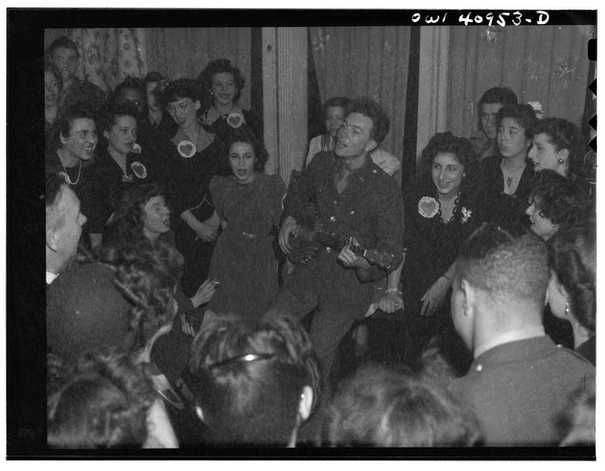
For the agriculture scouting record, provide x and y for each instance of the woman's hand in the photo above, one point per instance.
(288, 228)
(391, 302)
(204, 293)
(206, 232)
(434, 296)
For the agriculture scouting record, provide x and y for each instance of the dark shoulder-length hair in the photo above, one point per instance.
(219, 66)
(102, 402)
(249, 377)
(244, 135)
(563, 134)
(573, 259)
(380, 407)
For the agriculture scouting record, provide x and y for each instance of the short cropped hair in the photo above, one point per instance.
(524, 115)
(103, 403)
(128, 83)
(563, 134)
(249, 378)
(560, 199)
(378, 407)
(573, 259)
(340, 101)
(243, 134)
(503, 95)
(62, 41)
(69, 115)
(179, 89)
(380, 121)
(505, 265)
(219, 66)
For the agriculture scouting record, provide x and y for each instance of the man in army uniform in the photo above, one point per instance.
(519, 379)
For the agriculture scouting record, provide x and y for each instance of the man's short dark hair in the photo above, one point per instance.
(340, 101)
(378, 407)
(249, 378)
(380, 121)
(62, 41)
(77, 111)
(505, 265)
(129, 83)
(503, 95)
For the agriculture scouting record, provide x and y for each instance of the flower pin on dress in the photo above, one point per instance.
(537, 106)
(136, 148)
(235, 119)
(186, 149)
(466, 214)
(428, 207)
(139, 169)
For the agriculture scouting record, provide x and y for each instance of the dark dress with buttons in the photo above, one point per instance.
(432, 246)
(370, 209)
(517, 389)
(244, 259)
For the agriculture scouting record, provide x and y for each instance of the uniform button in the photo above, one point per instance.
(479, 368)
(559, 345)
(374, 171)
(335, 201)
(332, 219)
(352, 212)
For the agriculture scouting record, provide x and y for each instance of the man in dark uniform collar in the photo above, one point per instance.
(519, 380)
(352, 196)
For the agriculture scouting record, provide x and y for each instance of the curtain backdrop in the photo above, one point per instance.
(108, 55)
(184, 52)
(548, 64)
(365, 60)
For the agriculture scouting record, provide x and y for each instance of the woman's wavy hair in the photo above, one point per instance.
(245, 135)
(128, 223)
(148, 277)
(573, 259)
(379, 407)
(179, 89)
(102, 402)
(219, 66)
(446, 142)
(249, 377)
(563, 134)
(565, 202)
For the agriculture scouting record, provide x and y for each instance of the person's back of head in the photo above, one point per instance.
(378, 407)
(102, 403)
(255, 381)
(500, 284)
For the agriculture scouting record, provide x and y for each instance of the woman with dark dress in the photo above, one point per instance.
(248, 204)
(572, 291)
(504, 183)
(440, 214)
(193, 161)
(224, 83)
(119, 164)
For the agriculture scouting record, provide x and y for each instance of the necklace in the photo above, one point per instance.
(66, 173)
(456, 204)
(511, 178)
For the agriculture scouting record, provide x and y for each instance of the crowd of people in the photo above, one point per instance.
(194, 300)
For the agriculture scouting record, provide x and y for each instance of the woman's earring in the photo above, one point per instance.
(567, 309)
(561, 161)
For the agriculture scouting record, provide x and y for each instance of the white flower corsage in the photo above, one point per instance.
(186, 149)
(139, 169)
(428, 207)
(235, 119)
(466, 214)
(537, 106)
(136, 148)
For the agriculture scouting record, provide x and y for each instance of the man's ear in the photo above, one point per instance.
(306, 401)
(371, 145)
(52, 239)
(469, 298)
(199, 412)
(197, 104)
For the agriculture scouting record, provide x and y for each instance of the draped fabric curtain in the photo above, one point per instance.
(365, 61)
(184, 52)
(109, 55)
(548, 64)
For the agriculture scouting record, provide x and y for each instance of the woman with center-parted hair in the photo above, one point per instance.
(256, 382)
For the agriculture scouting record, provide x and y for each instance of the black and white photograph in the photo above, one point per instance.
(301, 233)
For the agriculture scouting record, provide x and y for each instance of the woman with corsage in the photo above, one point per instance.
(248, 204)
(193, 162)
(223, 82)
(440, 214)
